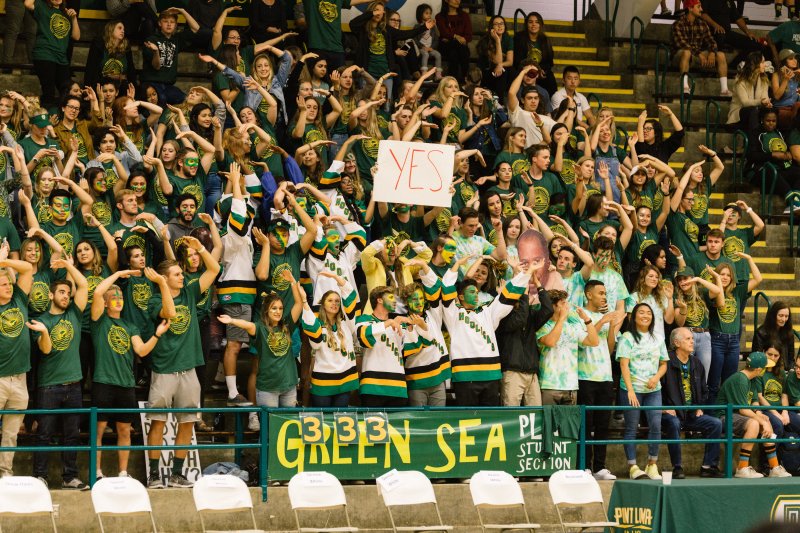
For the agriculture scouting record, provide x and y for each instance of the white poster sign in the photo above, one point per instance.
(414, 173)
(191, 466)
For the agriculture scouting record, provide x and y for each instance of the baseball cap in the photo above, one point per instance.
(759, 360)
(41, 120)
(734, 206)
(785, 54)
(686, 272)
(276, 223)
(689, 4)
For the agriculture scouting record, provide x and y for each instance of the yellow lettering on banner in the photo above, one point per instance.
(495, 441)
(401, 443)
(362, 444)
(465, 439)
(338, 459)
(325, 457)
(446, 451)
(286, 444)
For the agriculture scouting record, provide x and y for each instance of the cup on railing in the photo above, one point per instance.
(666, 477)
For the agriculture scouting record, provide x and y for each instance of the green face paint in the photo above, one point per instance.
(470, 295)
(282, 236)
(191, 161)
(449, 251)
(402, 208)
(333, 239)
(557, 210)
(389, 303)
(61, 207)
(139, 188)
(416, 302)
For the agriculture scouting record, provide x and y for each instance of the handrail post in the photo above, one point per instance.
(687, 100)
(593, 96)
(711, 132)
(729, 444)
(518, 11)
(636, 44)
(263, 452)
(582, 442)
(738, 164)
(239, 436)
(661, 77)
(93, 446)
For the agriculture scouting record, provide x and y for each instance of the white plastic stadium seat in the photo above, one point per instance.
(577, 488)
(116, 496)
(318, 491)
(221, 493)
(498, 489)
(409, 488)
(25, 495)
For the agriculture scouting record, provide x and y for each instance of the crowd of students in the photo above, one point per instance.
(148, 232)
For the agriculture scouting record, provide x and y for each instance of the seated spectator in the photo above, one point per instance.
(750, 93)
(571, 77)
(267, 19)
(691, 38)
(404, 49)
(685, 384)
(205, 13)
(777, 330)
(770, 391)
(782, 38)
(767, 145)
(533, 44)
(749, 423)
(785, 98)
(496, 56)
(428, 42)
(110, 57)
(719, 15)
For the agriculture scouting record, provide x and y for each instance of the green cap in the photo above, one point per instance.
(41, 121)
(686, 272)
(759, 360)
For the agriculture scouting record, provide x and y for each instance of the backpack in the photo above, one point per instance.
(789, 453)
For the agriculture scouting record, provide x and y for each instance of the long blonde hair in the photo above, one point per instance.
(643, 290)
(253, 74)
(114, 49)
(438, 95)
(334, 326)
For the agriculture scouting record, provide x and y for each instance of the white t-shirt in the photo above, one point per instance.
(520, 118)
(581, 102)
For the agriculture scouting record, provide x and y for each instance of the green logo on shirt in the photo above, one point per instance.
(119, 340)
(11, 322)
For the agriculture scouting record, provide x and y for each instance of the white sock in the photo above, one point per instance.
(253, 415)
(685, 83)
(723, 84)
(232, 390)
(123, 473)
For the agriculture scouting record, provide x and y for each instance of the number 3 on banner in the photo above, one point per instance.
(346, 425)
(312, 428)
(376, 426)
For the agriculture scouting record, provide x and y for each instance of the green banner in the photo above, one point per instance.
(440, 443)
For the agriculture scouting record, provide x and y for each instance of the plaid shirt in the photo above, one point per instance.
(695, 36)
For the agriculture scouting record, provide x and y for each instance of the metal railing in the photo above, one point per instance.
(636, 43)
(756, 296)
(712, 127)
(621, 133)
(686, 99)
(585, 5)
(661, 73)
(611, 23)
(767, 196)
(593, 96)
(517, 12)
(739, 160)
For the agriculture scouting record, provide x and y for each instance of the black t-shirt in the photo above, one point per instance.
(723, 12)
(661, 150)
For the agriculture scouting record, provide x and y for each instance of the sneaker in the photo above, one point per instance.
(253, 424)
(179, 481)
(677, 473)
(748, 472)
(218, 385)
(636, 472)
(666, 12)
(43, 480)
(155, 481)
(124, 473)
(711, 471)
(74, 484)
(652, 471)
(779, 471)
(604, 475)
(239, 401)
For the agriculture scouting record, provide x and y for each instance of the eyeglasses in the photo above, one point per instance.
(648, 128)
(690, 200)
(73, 107)
(498, 23)
(394, 20)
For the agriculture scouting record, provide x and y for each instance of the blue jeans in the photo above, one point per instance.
(724, 361)
(213, 192)
(336, 400)
(632, 422)
(702, 350)
(339, 139)
(778, 426)
(168, 93)
(58, 397)
(710, 427)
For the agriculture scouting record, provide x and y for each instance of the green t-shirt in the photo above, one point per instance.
(133, 238)
(53, 33)
(792, 387)
(113, 348)
(204, 304)
(644, 357)
(277, 370)
(194, 186)
(68, 235)
(787, 35)
(30, 148)
(540, 192)
(699, 211)
(8, 231)
(639, 242)
(414, 229)
(288, 260)
(15, 341)
(650, 196)
(736, 390)
(699, 261)
(324, 20)
(179, 349)
(738, 240)
(137, 291)
(39, 298)
(696, 313)
(366, 152)
(728, 318)
(63, 364)
(771, 386)
(683, 232)
(377, 61)
(520, 163)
